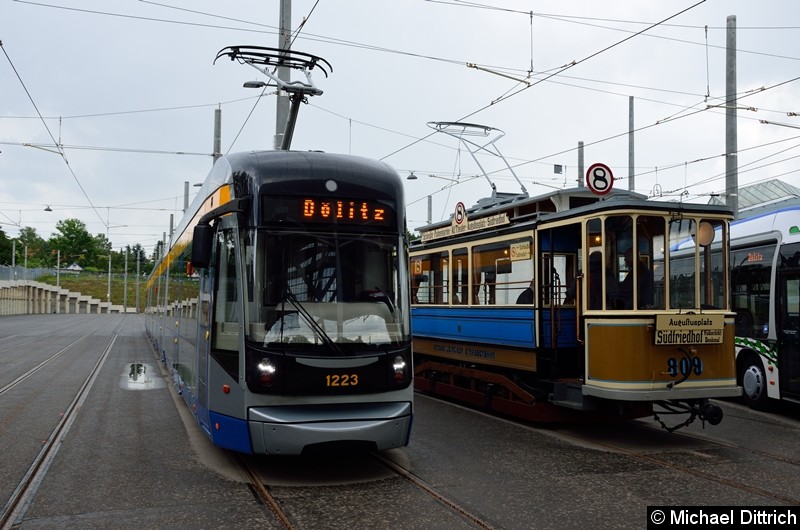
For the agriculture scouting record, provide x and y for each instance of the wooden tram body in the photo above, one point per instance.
(598, 335)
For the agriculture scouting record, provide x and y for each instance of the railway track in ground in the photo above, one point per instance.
(275, 503)
(17, 504)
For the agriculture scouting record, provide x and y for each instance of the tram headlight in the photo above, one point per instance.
(266, 372)
(399, 368)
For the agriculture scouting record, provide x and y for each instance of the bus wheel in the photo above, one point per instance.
(754, 383)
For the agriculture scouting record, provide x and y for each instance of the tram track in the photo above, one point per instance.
(423, 486)
(264, 495)
(19, 501)
(42, 364)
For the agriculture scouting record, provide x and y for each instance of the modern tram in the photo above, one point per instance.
(570, 307)
(765, 294)
(282, 304)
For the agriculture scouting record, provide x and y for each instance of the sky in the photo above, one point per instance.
(107, 106)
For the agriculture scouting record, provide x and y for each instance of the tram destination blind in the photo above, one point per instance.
(322, 211)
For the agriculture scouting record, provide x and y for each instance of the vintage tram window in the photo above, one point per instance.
(635, 257)
(501, 270)
(558, 278)
(751, 270)
(650, 240)
(617, 237)
(429, 278)
(713, 265)
(459, 279)
(682, 274)
(594, 264)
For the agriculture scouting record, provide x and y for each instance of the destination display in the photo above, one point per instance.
(327, 211)
(689, 329)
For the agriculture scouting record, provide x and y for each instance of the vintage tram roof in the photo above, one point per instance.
(559, 205)
(624, 203)
(522, 206)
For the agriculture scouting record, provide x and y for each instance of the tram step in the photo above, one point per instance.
(568, 394)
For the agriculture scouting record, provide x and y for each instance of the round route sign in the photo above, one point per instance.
(599, 179)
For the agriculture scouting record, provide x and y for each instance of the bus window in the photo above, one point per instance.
(751, 270)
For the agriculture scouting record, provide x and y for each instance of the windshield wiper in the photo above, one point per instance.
(313, 323)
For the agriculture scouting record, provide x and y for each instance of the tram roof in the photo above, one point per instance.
(569, 202)
(316, 166)
(625, 203)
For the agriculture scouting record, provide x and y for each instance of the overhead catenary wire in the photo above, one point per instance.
(49, 132)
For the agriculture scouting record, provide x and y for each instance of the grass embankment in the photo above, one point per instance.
(96, 286)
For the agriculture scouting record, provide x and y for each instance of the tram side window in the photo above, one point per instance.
(750, 289)
(501, 271)
(429, 277)
(650, 237)
(226, 309)
(639, 264)
(713, 266)
(682, 274)
(618, 236)
(460, 276)
(558, 285)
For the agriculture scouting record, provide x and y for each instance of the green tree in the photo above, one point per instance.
(37, 247)
(74, 242)
(158, 250)
(5, 248)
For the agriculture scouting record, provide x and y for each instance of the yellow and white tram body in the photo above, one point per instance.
(596, 311)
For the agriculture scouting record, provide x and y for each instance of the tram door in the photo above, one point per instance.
(788, 322)
(204, 331)
(560, 354)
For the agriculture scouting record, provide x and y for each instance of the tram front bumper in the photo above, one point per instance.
(287, 430)
(678, 392)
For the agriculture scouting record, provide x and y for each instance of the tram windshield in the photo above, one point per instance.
(340, 292)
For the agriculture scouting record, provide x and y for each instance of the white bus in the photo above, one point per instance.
(765, 293)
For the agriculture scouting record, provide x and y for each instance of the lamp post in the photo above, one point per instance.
(125, 284)
(108, 293)
(110, 252)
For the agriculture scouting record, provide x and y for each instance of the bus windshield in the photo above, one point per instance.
(337, 291)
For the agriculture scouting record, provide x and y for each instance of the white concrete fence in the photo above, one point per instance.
(26, 297)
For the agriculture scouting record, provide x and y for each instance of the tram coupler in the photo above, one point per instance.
(711, 413)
